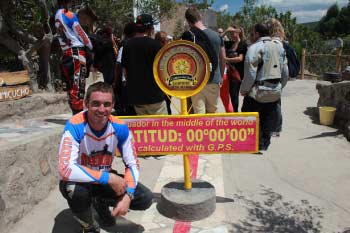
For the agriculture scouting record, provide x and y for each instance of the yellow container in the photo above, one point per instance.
(327, 115)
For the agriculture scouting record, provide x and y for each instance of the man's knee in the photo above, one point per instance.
(78, 196)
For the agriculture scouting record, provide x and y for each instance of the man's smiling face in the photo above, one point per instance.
(99, 107)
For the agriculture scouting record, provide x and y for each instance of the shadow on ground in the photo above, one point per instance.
(64, 222)
(276, 215)
(325, 134)
(312, 112)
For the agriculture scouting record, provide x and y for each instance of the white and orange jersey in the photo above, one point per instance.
(71, 32)
(87, 156)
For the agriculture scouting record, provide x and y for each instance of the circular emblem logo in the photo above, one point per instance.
(181, 68)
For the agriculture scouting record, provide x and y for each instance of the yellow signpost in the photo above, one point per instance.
(181, 69)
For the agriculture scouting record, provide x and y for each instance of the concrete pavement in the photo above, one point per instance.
(301, 184)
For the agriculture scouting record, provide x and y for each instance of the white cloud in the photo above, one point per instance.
(304, 10)
(223, 7)
(309, 16)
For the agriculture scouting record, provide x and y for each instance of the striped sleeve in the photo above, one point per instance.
(83, 37)
(128, 153)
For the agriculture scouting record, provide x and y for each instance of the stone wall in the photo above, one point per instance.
(28, 162)
(37, 105)
(337, 95)
(27, 175)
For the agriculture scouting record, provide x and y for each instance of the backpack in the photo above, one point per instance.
(268, 88)
(270, 65)
(197, 36)
(293, 61)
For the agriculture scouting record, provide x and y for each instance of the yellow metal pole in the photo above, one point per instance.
(188, 183)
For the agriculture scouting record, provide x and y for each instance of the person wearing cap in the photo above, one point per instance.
(75, 44)
(122, 107)
(137, 60)
(206, 101)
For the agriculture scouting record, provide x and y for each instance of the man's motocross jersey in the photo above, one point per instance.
(87, 156)
(71, 32)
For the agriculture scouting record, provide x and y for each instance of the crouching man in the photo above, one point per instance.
(87, 149)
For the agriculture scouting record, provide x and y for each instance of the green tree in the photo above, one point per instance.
(332, 12)
(344, 19)
(24, 30)
(262, 13)
(200, 4)
(119, 12)
(289, 24)
(114, 13)
(159, 9)
(245, 16)
(179, 29)
(224, 19)
(335, 22)
(250, 14)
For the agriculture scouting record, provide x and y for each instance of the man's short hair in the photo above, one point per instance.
(192, 15)
(129, 29)
(261, 29)
(99, 87)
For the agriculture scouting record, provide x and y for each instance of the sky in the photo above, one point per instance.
(303, 10)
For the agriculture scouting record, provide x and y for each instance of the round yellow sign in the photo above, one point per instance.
(181, 68)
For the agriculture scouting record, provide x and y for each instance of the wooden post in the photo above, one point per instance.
(338, 60)
(303, 59)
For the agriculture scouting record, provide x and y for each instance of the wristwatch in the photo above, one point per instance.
(131, 195)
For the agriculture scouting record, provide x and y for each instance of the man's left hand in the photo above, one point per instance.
(122, 206)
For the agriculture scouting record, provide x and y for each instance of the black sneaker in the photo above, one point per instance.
(105, 216)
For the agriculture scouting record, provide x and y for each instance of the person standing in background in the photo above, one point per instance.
(162, 37)
(122, 107)
(137, 60)
(76, 47)
(266, 73)
(106, 52)
(225, 87)
(206, 101)
(236, 49)
(277, 33)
